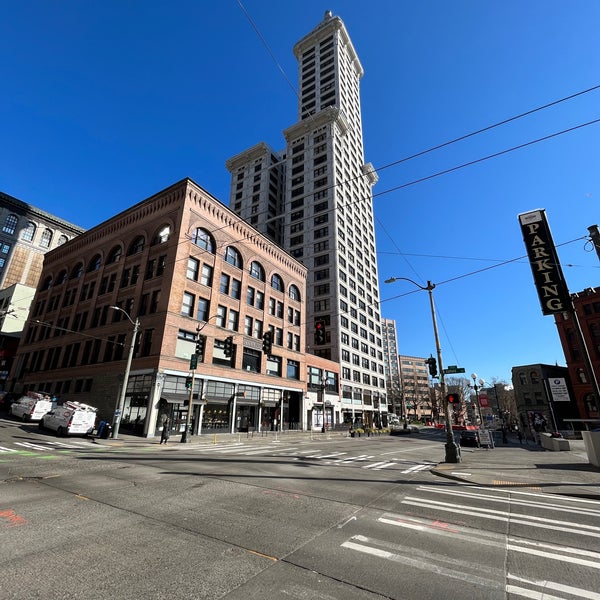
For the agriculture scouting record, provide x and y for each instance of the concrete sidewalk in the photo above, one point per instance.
(527, 467)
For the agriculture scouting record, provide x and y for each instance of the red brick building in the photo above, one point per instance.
(182, 265)
(587, 307)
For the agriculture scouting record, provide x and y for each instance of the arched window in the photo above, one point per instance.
(162, 235)
(257, 271)
(295, 293)
(277, 282)
(204, 240)
(233, 257)
(63, 239)
(47, 283)
(522, 378)
(46, 239)
(10, 225)
(77, 272)
(136, 246)
(534, 376)
(94, 264)
(62, 277)
(28, 233)
(114, 255)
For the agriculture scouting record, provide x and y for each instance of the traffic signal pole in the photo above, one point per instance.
(452, 453)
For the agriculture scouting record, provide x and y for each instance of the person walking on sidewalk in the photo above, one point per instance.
(520, 436)
(164, 436)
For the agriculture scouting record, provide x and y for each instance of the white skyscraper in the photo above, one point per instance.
(315, 199)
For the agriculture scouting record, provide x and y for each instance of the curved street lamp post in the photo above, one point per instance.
(121, 404)
(452, 453)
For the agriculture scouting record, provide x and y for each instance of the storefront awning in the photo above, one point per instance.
(179, 398)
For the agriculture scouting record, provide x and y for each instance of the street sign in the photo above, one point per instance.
(452, 369)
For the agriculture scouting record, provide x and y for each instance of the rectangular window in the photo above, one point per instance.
(203, 309)
(207, 275)
(233, 321)
(224, 286)
(221, 316)
(193, 268)
(187, 306)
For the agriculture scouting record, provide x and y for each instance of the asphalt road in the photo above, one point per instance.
(339, 518)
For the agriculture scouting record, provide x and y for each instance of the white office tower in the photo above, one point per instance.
(315, 199)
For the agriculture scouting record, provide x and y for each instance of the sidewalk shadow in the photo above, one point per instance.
(588, 468)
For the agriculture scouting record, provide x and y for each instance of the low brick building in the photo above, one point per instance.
(176, 266)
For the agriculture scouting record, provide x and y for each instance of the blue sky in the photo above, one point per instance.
(106, 103)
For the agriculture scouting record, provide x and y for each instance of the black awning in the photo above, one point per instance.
(179, 398)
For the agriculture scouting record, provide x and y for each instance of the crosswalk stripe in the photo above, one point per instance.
(417, 468)
(551, 585)
(503, 499)
(379, 465)
(3, 449)
(34, 446)
(497, 515)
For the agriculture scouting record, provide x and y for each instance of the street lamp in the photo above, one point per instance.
(121, 404)
(452, 453)
(476, 388)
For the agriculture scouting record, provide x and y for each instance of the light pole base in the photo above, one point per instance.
(452, 453)
(185, 437)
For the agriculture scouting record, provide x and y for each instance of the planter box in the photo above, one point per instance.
(554, 444)
(591, 439)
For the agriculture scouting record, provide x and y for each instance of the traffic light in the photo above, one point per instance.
(432, 366)
(320, 333)
(267, 342)
(228, 346)
(188, 383)
(453, 398)
(200, 345)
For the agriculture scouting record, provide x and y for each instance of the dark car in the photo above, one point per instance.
(469, 437)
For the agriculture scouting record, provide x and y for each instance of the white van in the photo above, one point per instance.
(71, 418)
(31, 407)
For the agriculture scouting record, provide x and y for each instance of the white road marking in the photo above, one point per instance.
(551, 585)
(496, 515)
(417, 468)
(3, 449)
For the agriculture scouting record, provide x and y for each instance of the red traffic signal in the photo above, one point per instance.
(452, 398)
(320, 333)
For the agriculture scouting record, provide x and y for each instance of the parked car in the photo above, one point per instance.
(70, 418)
(31, 407)
(469, 437)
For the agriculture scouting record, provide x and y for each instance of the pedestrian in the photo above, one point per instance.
(164, 436)
(520, 436)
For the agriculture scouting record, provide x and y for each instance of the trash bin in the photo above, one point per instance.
(106, 431)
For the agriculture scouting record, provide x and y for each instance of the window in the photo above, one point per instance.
(221, 316)
(136, 246)
(77, 272)
(250, 292)
(236, 289)
(233, 257)
(207, 275)
(293, 369)
(114, 255)
(294, 293)
(224, 285)
(204, 240)
(46, 239)
(163, 235)
(10, 225)
(257, 271)
(274, 365)
(187, 305)
(251, 360)
(277, 282)
(203, 309)
(28, 233)
(95, 263)
(233, 321)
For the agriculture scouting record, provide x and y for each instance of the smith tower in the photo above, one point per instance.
(314, 198)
